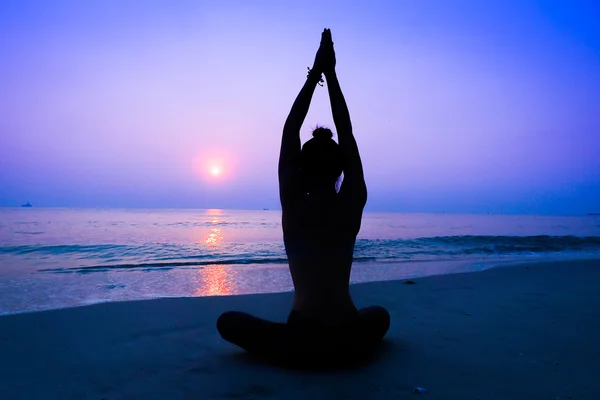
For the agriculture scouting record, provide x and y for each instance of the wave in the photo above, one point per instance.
(166, 265)
(478, 245)
(60, 248)
(163, 256)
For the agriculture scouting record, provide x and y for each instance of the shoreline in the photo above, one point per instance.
(525, 332)
(80, 290)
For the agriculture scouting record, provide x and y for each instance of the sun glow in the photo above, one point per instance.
(215, 167)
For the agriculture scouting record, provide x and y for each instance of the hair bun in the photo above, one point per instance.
(322, 133)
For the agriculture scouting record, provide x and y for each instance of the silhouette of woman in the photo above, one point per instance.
(320, 226)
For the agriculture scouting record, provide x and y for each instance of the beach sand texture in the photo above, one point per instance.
(524, 332)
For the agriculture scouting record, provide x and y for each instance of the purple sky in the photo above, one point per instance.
(457, 106)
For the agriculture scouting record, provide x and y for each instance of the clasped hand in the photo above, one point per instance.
(325, 58)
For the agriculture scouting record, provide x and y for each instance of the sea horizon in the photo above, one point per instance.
(367, 210)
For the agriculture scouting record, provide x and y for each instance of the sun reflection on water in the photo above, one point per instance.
(215, 280)
(214, 238)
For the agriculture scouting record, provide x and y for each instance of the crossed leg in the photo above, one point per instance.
(302, 342)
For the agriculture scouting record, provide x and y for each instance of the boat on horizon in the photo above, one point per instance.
(28, 204)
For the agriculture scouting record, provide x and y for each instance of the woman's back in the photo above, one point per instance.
(319, 243)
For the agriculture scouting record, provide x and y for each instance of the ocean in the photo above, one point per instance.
(63, 257)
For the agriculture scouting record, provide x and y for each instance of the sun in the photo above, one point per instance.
(215, 166)
(215, 171)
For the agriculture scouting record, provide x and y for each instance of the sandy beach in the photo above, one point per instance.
(524, 332)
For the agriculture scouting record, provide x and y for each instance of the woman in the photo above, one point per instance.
(320, 226)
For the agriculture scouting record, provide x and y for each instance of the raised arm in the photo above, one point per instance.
(353, 186)
(289, 156)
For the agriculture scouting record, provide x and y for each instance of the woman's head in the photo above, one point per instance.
(321, 160)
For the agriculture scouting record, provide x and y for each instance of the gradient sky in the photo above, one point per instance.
(457, 106)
